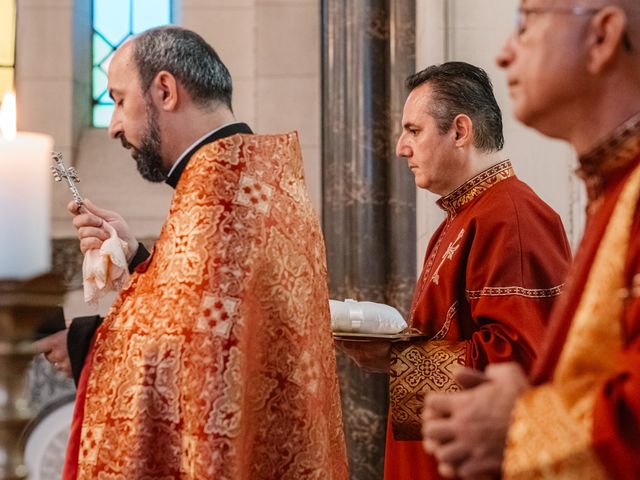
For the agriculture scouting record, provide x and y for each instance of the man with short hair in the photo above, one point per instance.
(492, 269)
(574, 73)
(216, 360)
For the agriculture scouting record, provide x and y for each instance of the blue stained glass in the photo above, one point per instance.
(112, 19)
(104, 99)
(102, 115)
(150, 13)
(113, 22)
(99, 82)
(101, 49)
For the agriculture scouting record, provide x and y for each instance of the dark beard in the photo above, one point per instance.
(147, 155)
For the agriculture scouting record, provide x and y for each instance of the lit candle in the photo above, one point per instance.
(25, 190)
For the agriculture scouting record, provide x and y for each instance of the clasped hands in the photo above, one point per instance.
(466, 430)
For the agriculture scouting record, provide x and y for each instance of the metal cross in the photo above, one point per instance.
(69, 174)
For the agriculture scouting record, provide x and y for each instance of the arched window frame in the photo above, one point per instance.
(114, 21)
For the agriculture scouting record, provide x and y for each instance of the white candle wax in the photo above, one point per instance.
(25, 191)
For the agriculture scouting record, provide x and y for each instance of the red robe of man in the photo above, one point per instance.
(217, 361)
(492, 271)
(582, 421)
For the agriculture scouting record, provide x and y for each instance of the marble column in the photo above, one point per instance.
(368, 194)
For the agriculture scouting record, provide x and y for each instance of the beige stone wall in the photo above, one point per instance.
(473, 31)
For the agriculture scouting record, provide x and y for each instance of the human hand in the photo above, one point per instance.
(466, 431)
(372, 357)
(54, 348)
(89, 222)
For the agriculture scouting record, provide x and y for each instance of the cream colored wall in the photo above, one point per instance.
(473, 31)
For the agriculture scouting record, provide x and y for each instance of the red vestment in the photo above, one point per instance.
(217, 360)
(582, 420)
(492, 271)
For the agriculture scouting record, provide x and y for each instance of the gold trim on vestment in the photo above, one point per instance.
(551, 430)
(416, 369)
(615, 153)
(514, 290)
(476, 186)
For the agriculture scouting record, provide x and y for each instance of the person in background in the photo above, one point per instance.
(574, 74)
(492, 270)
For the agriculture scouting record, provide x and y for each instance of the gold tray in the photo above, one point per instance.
(377, 337)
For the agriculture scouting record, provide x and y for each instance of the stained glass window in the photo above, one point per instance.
(113, 22)
(7, 45)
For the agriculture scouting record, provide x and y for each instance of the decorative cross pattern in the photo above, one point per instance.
(448, 255)
(69, 174)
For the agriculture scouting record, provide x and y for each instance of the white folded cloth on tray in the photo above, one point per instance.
(365, 317)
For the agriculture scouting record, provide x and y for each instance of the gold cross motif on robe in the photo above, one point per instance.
(448, 255)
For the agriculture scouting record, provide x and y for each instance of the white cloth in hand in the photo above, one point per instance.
(365, 317)
(105, 270)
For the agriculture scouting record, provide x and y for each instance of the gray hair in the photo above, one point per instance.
(188, 57)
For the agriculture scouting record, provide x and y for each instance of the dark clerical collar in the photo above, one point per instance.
(610, 157)
(476, 186)
(225, 131)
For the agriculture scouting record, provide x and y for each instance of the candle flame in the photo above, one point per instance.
(8, 116)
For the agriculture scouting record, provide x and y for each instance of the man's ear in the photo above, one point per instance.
(164, 91)
(462, 128)
(605, 37)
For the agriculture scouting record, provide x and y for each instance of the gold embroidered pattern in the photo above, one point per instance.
(556, 446)
(611, 155)
(451, 312)
(475, 187)
(416, 369)
(447, 255)
(218, 362)
(519, 291)
(552, 425)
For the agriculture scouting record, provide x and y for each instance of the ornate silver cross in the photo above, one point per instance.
(69, 174)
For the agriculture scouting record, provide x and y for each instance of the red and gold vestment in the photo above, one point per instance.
(492, 271)
(217, 360)
(582, 420)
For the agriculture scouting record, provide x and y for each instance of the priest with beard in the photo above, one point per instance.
(216, 359)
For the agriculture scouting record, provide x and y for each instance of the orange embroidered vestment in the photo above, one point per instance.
(582, 420)
(217, 361)
(492, 271)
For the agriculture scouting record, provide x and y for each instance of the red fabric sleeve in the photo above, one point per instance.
(515, 272)
(616, 429)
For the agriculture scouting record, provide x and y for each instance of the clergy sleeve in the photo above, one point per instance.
(584, 422)
(616, 418)
(515, 272)
(79, 338)
(141, 256)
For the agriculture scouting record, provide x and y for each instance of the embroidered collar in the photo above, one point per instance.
(222, 132)
(610, 157)
(476, 186)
